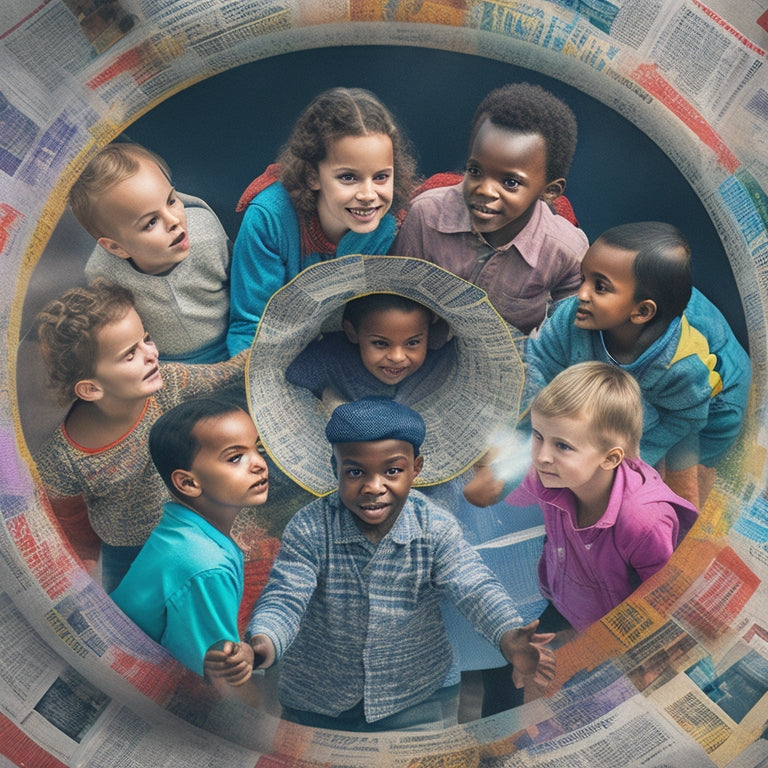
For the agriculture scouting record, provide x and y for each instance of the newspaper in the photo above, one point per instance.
(675, 676)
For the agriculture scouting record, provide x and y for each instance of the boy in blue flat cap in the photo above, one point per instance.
(352, 605)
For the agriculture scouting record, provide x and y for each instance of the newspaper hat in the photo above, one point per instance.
(481, 393)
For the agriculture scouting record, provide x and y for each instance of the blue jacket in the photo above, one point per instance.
(267, 255)
(694, 379)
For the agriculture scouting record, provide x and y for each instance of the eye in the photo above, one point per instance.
(347, 178)
(234, 458)
(600, 286)
(537, 436)
(472, 170)
(381, 177)
(379, 344)
(260, 447)
(561, 446)
(354, 473)
(394, 471)
(414, 342)
(511, 183)
(151, 223)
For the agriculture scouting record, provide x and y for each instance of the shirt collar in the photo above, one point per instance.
(529, 242)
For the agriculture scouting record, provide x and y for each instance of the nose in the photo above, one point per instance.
(396, 354)
(374, 485)
(583, 292)
(173, 217)
(258, 464)
(486, 188)
(149, 349)
(366, 190)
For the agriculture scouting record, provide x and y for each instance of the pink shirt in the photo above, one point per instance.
(586, 572)
(542, 261)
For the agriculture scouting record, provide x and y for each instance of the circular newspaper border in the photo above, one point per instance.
(481, 393)
(317, 23)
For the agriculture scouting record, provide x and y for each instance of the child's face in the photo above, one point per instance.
(145, 221)
(565, 454)
(374, 481)
(127, 367)
(354, 184)
(505, 176)
(393, 343)
(607, 293)
(229, 470)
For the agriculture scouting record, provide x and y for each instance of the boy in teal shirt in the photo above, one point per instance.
(185, 587)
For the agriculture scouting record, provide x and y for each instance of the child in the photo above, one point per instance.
(610, 521)
(496, 228)
(96, 351)
(344, 166)
(387, 348)
(185, 586)
(352, 605)
(168, 248)
(636, 308)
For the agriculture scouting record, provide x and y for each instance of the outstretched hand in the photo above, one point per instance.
(233, 663)
(527, 652)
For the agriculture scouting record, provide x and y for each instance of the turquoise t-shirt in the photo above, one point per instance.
(185, 586)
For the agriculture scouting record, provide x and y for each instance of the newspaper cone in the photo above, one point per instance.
(480, 394)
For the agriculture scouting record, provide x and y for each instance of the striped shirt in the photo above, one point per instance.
(353, 621)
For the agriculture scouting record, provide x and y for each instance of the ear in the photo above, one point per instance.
(553, 190)
(613, 458)
(185, 483)
(349, 329)
(313, 179)
(418, 464)
(113, 247)
(643, 312)
(88, 390)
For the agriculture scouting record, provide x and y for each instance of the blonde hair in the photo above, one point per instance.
(607, 396)
(109, 166)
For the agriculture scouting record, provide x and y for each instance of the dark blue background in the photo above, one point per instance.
(219, 134)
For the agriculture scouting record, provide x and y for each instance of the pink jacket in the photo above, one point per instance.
(586, 572)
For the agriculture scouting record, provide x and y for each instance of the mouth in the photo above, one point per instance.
(179, 240)
(394, 373)
(582, 313)
(482, 212)
(154, 372)
(373, 508)
(261, 485)
(364, 213)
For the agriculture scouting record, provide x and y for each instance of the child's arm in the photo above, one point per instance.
(526, 651)
(260, 265)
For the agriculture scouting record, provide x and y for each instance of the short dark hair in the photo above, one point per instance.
(527, 108)
(662, 267)
(357, 309)
(172, 443)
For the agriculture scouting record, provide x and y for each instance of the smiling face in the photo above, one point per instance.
(144, 220)
(354, 184)
(607, 292)
(565, 454)
(506, 174)
(127, 368)
(393, 342)
(228, 472)
(374, 481)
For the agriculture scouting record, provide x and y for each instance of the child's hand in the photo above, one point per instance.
(232, 663)
(527, 653)
(484, 488)
(263, 651)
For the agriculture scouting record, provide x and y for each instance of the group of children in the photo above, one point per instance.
(628, 368)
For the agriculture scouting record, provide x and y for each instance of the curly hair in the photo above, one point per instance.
(109, 166)
(527, 108)
(68, 328)
(332, 115)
